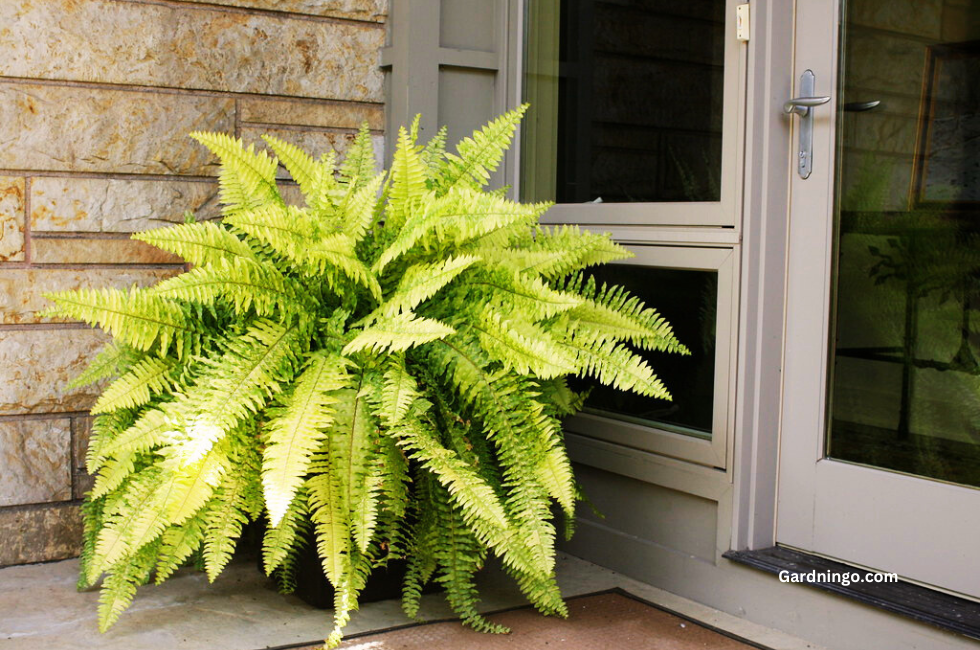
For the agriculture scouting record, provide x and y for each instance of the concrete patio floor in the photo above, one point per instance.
(40, 609)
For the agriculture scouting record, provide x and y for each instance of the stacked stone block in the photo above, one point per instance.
(96, 100)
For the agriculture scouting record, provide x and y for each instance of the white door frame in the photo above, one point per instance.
(918, 528)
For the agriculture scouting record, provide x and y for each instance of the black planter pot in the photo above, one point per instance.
(312, 586)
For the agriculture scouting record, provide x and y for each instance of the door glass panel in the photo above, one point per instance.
(626, 101)
(905, 389)
(688, 300)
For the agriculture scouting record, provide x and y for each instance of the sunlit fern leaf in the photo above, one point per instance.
(407, 179)
(105, 364)
(571, 249)
(243, 380)
(397, 334)
(421, 281)
(136, 317)
(249, 287)
(248, 177)
(338, 251)
(150, 376)
(226, 518)
(612, 363)
(461, 216)
(529, 296)
(479, 155)
(460, 555)
(287, 534)
(199, 243)
(360, 165)
(359, 207)
(120, 585)
(297, 429)
(433, 155)
(112, 473)
(297, 162)
(611, 312)
(154, 428)
(524, 347)
(177, 544)
(328, 512)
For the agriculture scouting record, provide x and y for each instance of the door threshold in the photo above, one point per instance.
(914, 601)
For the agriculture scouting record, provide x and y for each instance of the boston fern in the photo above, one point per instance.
(385, 366)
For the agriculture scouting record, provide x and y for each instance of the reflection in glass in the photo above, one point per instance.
(688, 300)
(626, 100)
(906, 374)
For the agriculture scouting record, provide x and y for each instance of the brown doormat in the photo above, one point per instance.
(609, 620)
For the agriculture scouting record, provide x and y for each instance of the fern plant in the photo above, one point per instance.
(385, 365)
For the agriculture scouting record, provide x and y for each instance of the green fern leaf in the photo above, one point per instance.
(135, 388)
(248, 177)
(407, 179)
(253, 368)
(198, 243)
(298, 429)
(298, 163)
(421, 281)
(241, 282)
(397, 334)
(479, 155)
(359, 163)
(105, 364)
(136, 317)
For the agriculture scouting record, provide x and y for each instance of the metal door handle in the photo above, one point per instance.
(802, 106)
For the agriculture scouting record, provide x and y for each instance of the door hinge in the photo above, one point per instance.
(742, 22)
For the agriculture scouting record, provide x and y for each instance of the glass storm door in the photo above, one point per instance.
(880, 431)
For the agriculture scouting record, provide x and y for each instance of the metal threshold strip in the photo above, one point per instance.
(920, 603)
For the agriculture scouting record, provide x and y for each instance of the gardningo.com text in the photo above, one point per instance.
(843, 578)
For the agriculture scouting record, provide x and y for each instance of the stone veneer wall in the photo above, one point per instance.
(96, 100)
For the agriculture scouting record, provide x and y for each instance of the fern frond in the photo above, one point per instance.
(241, 282)
(566, 249)
(460, 555)
(529, 296)
(611, 312)
(458, 217)
(297, 162)
(359, 206)
(337, 251)
(120, 585)
(612, 364)
(248, 177)
(407, 179)
(398, 333)
(105, 364)
(204, 242)
(523, 347)
(154, 428)
(328, 512)
(177, 544)
(433, 154)
(296, 431)
(287, 230)
(479, 155)
(285, 537)
(421, 281)
(254, 367)
(150, 376)
(225, 519)
(136, 317)
(359, 163)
